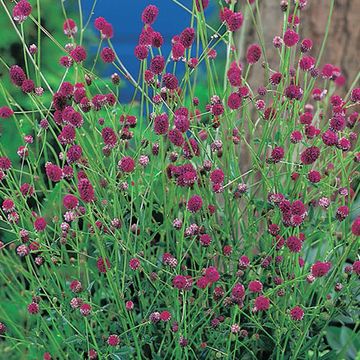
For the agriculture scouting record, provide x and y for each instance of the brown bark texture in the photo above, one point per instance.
(343, 40)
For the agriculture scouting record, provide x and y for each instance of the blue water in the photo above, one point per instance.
(125, 16)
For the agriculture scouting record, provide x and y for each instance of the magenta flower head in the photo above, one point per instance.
(291, 38)
(182, 123)
(314, 176)
(356, 267)
(157, 64)
(355, 227)
(28, 86)
(294, 244)
(70, 27)
(107, 55)
(310, 155)
(33, 308)
(85, 309)
(170, 81)
(297, 313)
(86, 190)
(187, 37)
(262, 303)
(294, 92)
(5, 112)
(235, 21)
(212, 274)
(161, 124)
(103, 265)
(113, 340)
(234, 101)
(5, 163)
(149, 14)
(180, 282)
(17, 75)
(255, 286)
(126, 164)
(253, 53)
(104, 27)
(195, 203)
(277, 154)
(306, 45)
(141, 52)
(234, 74)
(355, 95)
(320, 269)
(78, 54)
(177, 51)
(70, 202)
(40, 224)
(21, 11)
(201, 4)
(2, 328)
(217, 176)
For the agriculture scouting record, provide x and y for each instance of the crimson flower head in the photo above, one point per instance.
(195, 203)
(211, 274)
(238, 292)
(320, 269)
(356, 267)
(126, 164)
(170, 81)
(306, 45)
(134, 264)
(179, 282)
(70, 202)
(294, 244)
(70, 27)
(33, 308)
(5, 112)
(262, 303)
(277, 154)
(187, 37)
(234, 101)
(234, 74)
(355, 227)
(103, 266)
(165, 316)
(141, 52)
(253, 53)
(235, 21)
(217, 176)
(355, 95)
(310, 155)
(104, 27)
(86, 190)
(297, 313)
(40, 224)
(78, 54)
(291, 38)
(85, 309)
(255, 286)
(76, 286)
(201, 4)
(157, 64)
(113, 340)
(2, 328)
(182, 123)
(107, 55)
(161, 124)
(149, 14)
(21, 11)
(17, 75)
